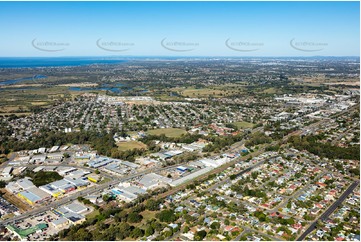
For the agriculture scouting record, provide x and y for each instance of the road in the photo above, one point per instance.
(250, 230)
(329, 211)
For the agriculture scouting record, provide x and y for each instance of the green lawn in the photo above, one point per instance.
(243, 125)
(93, 214)
(169, 132)
(148, 215)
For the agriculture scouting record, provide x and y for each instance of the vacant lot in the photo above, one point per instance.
(39, 103)
(129, 145)
(13, 199)
(169, 132)
(44, 177)
(243, 125)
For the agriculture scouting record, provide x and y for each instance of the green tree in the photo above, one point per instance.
(124, 229)
(168, 233)
(137, 232)
(134, 218)
(215, 225)
(166, 216)
(152, 205)
(149, 231)
(200, 235)
(107, 198)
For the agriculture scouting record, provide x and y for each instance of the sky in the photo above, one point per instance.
(31, 29)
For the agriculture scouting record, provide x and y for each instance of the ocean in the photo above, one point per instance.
(33, 62)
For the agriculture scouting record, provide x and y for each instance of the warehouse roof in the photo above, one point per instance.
(76, 208)
(25, 183)
(191, 176)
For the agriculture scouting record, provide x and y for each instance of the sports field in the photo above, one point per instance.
(129, 145)
(169, 132)
(243, 125)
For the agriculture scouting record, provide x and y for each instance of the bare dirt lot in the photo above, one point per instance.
(23, 207)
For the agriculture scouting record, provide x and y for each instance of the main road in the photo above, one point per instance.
(330, 210)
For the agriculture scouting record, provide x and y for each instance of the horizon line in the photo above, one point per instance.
(177, 56)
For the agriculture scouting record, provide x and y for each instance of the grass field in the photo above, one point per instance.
(131, 133)
(214, 91)
(243, 125)
(104, 180)
(203, 92)
(167, 98)
(11, 109)
(21, 101)
(93, 214)
(148, 215)
(270, 90)
(131, 145)
(169, 132)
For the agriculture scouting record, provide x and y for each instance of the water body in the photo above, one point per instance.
(112, 89)
(33, 62)
(15, 81)
(117, 88)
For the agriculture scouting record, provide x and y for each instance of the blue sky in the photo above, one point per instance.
(186, 28)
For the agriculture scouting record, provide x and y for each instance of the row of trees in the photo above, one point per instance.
(122, 228)
(103, 142)
(313, 144)
(186, 156)
(248, 192)
(219, 143)
(258, 138)
(99, 228)
(128, 155)
(185, 138)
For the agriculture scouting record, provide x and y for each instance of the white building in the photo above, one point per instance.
(7, 171)
(152, 180)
